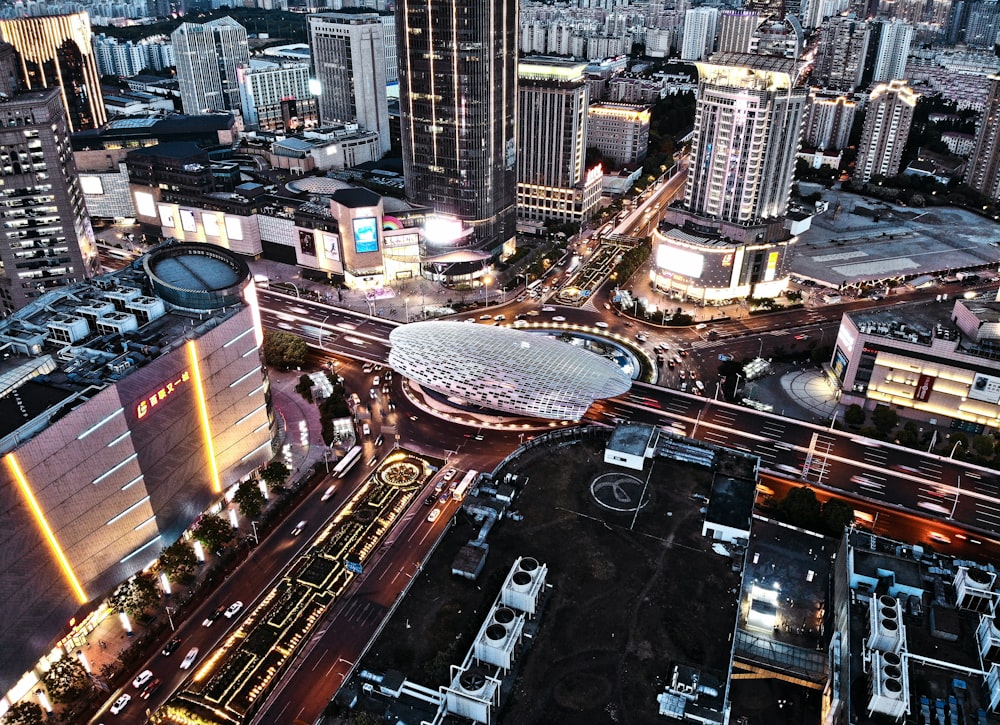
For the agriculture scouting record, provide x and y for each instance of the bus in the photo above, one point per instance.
(463, 486)
(534, 285)
(346, 463)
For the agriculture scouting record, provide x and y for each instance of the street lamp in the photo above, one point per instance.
(954, 447)
(322, 327)
(170, 619)
(760, 350)
(84, 661)
(486, 282)
(406, 309)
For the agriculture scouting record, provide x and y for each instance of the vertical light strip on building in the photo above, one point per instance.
(199, 393)
(22, 483)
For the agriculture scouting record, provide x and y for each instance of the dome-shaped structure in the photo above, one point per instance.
(506, 370)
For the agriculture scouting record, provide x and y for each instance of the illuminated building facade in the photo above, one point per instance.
(552, 179)
(928, 360)
(276, 96)
(619, 131)
(207, 58)
(55, 51)
(458, 102)
(140, 397)
(46, 240)
(888, 115)
(983, 174)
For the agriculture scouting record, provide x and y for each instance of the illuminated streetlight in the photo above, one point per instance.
(199, 552)
(126, 624)
(232, 519)
(43, 700)
(83, 661)
(165, 583)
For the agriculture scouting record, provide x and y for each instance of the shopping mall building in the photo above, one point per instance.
(935, 361)
(130, 402)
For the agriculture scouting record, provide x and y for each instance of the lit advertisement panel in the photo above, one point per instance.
(234, 229)
(187, 221)
(925, 384)
(145, 204)
(331, 245)
(985, 388)
(211, 223)
(91, 185)
(772, 266)
(307, 242)
(680, 261)
(365, 235)
(840, 363)
(167, 217)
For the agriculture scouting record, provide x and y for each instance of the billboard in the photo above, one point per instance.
(925, 384)
(772, 266)
(840, 363)
(211, 223)
(331, 245)
(985, 388)
(680, 261)
(365, 235)
(307, 242)
(187, 221)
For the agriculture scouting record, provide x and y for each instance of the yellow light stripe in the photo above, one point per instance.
(22, 483)
(206, 430)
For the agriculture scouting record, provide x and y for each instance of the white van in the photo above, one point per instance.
(366, 429)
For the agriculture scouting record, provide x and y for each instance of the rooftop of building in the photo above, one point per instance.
(356, 197)
(156, 126)
(632, 438)
(731, 502)
(925, 320)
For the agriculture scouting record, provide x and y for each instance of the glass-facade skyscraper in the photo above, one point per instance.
(458, 97)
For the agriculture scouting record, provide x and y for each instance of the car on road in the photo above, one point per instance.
(366, 429)
(700, 326)
(532, 313)
(151, 689)
(802, 337)
(547, 308)
(376, 380)
(486, 317)
(433, 515)
(413, 417)
(372, 393)
(234, 609)
(938, 538)
(429, 501)
(210, 619)
(449, 474)
(559, 318)
(120, 704)
(298, 528)
(601, 325)
(642, 337)
(443, 498)
(500, 318)
(607, 306)
(189, 658)
(865, 481)
(328, 493)
(171, 647)
(143, 677)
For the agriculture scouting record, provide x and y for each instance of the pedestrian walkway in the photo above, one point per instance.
(811, 390)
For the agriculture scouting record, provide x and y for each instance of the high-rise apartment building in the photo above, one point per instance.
(828, 121)
(840, 56)
(736, 30)
(888, 116)
(47, 240)
(619, 131)
(893, 48)
(699, 33)
(207, 58)
(54, 51)
(458, 100)
(348, 60)
(276, 96)
(552, 179)
(746, 134)
(983, 173)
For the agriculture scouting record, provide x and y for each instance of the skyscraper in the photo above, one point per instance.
(552, 179)
(46, 240)
(207, 58)
(887, 125)
(55, 51)
(458, 98)
(348, 60)
(983, 173)
(893, 48)
(699, 33)
(840, 57)
(747, 131)
(828, 121)
(736, 29)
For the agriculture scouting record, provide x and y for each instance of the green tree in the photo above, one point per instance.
(854, 416)
(884, 419)
(136, 595)
(800, 507)
(984, 446)
(66, 680)
(249, 498)
(909, 436)
(304, 387)
(836, 515)
(275, 475)
(178, 559)
(24, 713)
(284, 350)
(213, 532)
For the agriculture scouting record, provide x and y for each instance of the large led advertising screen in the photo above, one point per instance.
(366, 235)
(680, 261)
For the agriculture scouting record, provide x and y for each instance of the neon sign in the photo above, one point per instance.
(143, 408)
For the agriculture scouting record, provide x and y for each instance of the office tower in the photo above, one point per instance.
(983, 173)
(276, 96)
(348, 60)
(10, 71)
(828, 120)
(207, 57)
(459, 142)
(388, 21)
(840, 57)
(699, 33)
(982, 24)
(893, 47)
(552, 179)
(46, 240)
(747, 130)
(888, 116)
(55, 51)
(619, 131)
(736, 29)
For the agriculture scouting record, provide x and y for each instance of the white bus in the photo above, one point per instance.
(346, 463)
(463, 486)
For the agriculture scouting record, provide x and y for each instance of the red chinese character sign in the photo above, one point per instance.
(145, 406)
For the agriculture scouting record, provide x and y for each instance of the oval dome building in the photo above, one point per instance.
(506, 370)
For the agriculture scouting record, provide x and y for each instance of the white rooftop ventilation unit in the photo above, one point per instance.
(66, 328)
(888, 691)
(524, 586)
(117, 323)
(499, 637)
(988, 637)
(121, 296)
(147, 309)
(974, 590)
(473, 693)
(886, 631)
